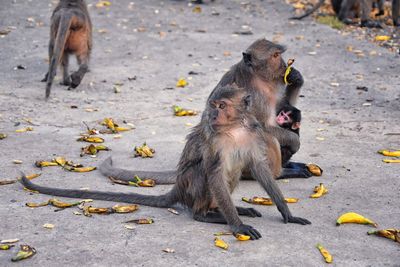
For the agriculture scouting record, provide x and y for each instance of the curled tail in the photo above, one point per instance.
(58, 50)
(161, 201)
(310, 11)
(106, 168)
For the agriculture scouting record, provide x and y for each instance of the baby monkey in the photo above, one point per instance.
(289, 117)
(227, 141)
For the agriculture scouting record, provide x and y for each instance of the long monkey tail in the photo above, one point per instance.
(166, 177)
(161, 201)
(310, 11)
(61, 38)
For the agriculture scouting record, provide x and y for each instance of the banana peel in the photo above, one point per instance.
(91, 139)
(124, 209)
(388, 153)
(327, 256)
(41, 163)
(56, 203)
(89, 210)
(136, 182)
(79, 169)
(391, 160)
(2, 136)
(220, 243)
(5, 246)
(25, 252)
(288, 70)
(93, 149)
(144, 151)
(391, 233)
(179, 111)
(352, 217)
(319, 191)
(267, 201)
(23, 130)
(223, 233)
(141, 221)
(314, 169)
(181, 83)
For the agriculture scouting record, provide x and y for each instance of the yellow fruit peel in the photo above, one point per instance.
(327, 256)
(352, 217)
(221, 243)
(319, 191)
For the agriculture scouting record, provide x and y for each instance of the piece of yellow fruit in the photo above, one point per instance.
(5, 246)
(147, 183)
(288, 70)
(36, 205)
(241, 237)
(81, 169)
(314, 169)
(220, 243)
(26, 129)
(319, 190)
(141, 221)
(181, 83)
(386, 233)
(327, 256)
(352, 217)
(42, 164)
(382, 38)
(395, 153)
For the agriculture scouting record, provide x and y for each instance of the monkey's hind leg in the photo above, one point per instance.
(250, 212)
(64, 64)
(210, 217)
(77, 76)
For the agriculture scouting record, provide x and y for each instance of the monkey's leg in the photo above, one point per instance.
(51, 49)
(366, 21)
(77, 76)
(263, 175)
(396, 12)
(250, 212)
(221, 194)
(64, 63)
(210, 217)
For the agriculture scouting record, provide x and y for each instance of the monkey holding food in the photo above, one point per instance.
(228, 140)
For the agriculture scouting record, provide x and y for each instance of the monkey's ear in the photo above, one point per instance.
(247, 101)
(296, 126)
(247, 59)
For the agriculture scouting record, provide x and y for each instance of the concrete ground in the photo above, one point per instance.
(158, 42)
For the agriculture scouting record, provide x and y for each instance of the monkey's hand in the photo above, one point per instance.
(245, 229)
(295, 78)
(292, 219)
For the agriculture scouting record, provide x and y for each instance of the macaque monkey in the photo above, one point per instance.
(228, 140)
(70, 33)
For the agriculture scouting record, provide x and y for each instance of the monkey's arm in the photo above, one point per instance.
(285, 138)
(220, 192)
(295, 82)
(263, 175)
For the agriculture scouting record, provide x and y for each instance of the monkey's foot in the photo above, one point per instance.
(298, 220)
(245, 229)
(250, 212)
(75, 80)
(45, 78)
(371, 24)
(66, 82)
(210, 217)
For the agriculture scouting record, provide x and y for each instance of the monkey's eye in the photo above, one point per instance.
(222, 105)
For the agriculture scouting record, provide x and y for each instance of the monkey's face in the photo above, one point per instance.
(222, 113)
(287, 120)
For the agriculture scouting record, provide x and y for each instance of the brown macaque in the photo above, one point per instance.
(70, 33)
(289, 118)
(396, 12)
(260, 73)
(228, 140)
(347, 10)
